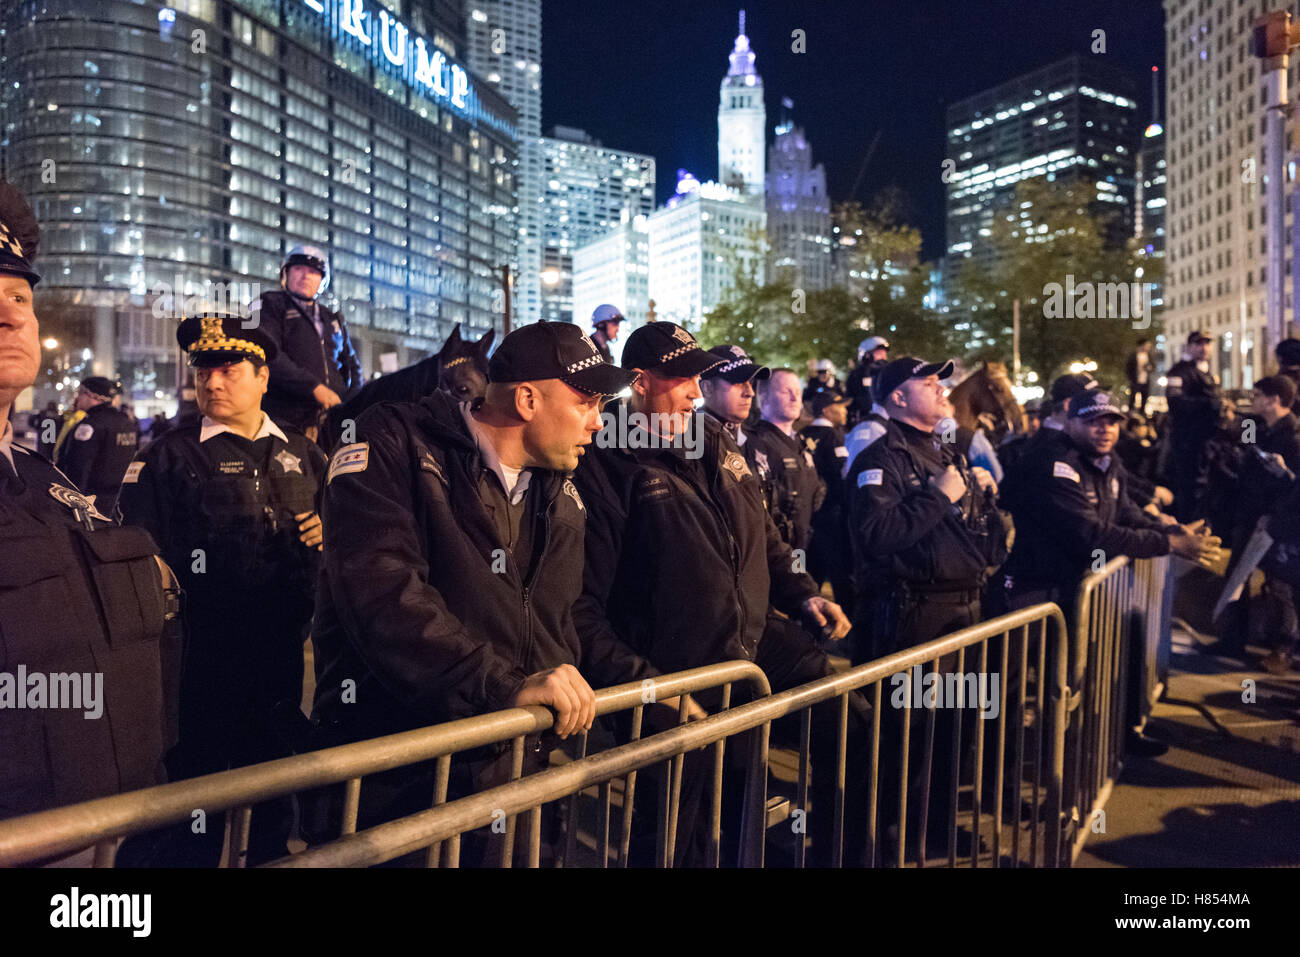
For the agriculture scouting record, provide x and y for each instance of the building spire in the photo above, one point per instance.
(742, 57)
(742, 23)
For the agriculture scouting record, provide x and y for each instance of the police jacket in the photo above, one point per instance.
(305, 359)
(97, 453)
(1194, 405)
(1067, 507)
(422, 614)
(792, 486)
(682, 557)
(858, 387)
(81, 599)
(905, 530)
(1262, 484)
(222, 509)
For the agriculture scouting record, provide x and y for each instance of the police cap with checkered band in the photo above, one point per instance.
(556, 350)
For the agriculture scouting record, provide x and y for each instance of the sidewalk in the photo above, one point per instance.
(1227, 793)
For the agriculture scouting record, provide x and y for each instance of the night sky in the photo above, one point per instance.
(643, 75)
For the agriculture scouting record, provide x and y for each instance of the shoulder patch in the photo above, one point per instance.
(1064, 470)
(350, 458)
(870, 477)
(571, 490)
(1174, 381)
(429, 464)
(83, 432)
(133, 473)
(841, 452)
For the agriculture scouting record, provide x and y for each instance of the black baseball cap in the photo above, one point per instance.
(215, 339)
(101, 386)
(1197, 336)
(1072, 384)
(826, 397)
(556, 350)
(898, 371)
(19, 234)
(667, 349)
(737, 366)
(1095, 403)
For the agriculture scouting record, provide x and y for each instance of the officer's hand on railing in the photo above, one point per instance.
(312, 530)
(564, 691)
(326, 396)
(829, 617)
(1194, 543)
(950, 483)
(984, 478)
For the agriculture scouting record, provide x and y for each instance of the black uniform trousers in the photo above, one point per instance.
(904, 618)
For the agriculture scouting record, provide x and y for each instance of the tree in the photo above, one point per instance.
(1052, 241)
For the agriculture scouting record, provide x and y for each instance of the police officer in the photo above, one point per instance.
(1195, 410)
(921, 519)
(453, 558)
(925, 535)
(79, 596)
(102, 444)
(315, 366)
(232, 501)
(784, 459)
(683, 560)
(873, 353)
(729, 389)
(830, 556)
(1288, 364)
(605, 321)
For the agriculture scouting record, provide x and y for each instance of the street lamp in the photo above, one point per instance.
(51, 343)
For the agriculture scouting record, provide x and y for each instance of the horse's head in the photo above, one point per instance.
(464, 365)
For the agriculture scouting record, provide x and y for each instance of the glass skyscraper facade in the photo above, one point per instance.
(169, 147)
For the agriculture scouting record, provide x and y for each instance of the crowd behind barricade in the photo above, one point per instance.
(469, 547)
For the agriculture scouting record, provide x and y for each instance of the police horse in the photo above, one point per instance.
(984, 400)
(458, 368)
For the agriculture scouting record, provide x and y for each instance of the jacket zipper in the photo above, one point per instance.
(533, 575)
(735, 567)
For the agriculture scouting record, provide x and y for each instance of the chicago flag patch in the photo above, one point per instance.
(350, 458)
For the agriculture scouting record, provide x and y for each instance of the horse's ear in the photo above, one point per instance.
(455, 335)
(485, 341)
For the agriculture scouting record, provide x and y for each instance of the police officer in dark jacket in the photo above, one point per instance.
(830, 555)
(729, 389)
(683, 560)
(102, 444)
(1288, 364)
(784, 458)
(922, 521)
(315, 366)
(873, 353)
(79, 596)
(232, 502)
(1195, 410)
(453, 558)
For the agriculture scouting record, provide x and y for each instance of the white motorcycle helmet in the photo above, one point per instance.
(311, 256)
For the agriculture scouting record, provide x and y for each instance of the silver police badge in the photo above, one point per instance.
(288, 462)
(736, 465)
(82, 505)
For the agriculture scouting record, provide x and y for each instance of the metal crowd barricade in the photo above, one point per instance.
(103, 823)
(1033, 729)
(1123, 617)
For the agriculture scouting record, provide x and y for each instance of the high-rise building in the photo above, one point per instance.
(1215, 262)
(165, 149)
(1072, 120)
(587, 189)
(505, 49)
(742, 121)
(698, 242)
(1149, 221)
(614, 269)
(798, 213)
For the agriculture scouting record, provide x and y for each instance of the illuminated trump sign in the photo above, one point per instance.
(394, 47)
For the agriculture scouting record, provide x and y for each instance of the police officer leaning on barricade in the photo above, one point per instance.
(233, 503)
(102, 443)
(1072, 515)
(453, 558)
(683, 562)
(79, 597)
(784, 459)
